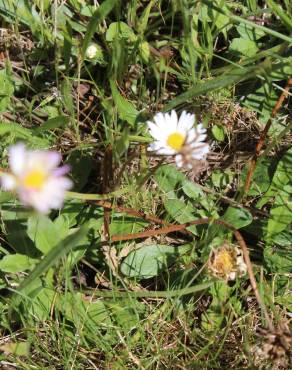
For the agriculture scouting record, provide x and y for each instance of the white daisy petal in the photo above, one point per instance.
(155, 131)
(17, 158)
(36, 178)
(166, 151)
(179, 160)
(186, 121)
(159, 119)
(8, 181)
(173, 120)
(172, 135)
(201, 152)
(200, 128)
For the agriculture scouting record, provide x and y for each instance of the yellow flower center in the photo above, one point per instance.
(34, 179)
(224, 262)
(175, 141)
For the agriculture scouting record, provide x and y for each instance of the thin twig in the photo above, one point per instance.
(262, 138)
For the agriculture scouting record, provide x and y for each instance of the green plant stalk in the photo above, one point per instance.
(85, 197)
(151, 294)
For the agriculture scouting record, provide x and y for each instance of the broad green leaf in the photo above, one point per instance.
(126, 110)
(282, 176)
(126, 225)
(278, 259)
(280, 214)
(237, 217)
(15, 131)
(262, 101)
(126, 314)
(41, 299)
(168, 179)
(17, 263)
(249, 33)
(23, 11)
(19, 349)
(85, 314)
(7, 89)
(150, 260)
(144, 51)
(242, 46)
(218, 132)
(53, 123)
(181, 212)
(221, 179)
(99, 15)
(120, 30)
(54, 255)
(45, 233)
(262, 177)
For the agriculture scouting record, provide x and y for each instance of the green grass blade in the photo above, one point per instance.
(99, 15)
(234, 76)
(287, 21)
(239, 19)
(65, 246)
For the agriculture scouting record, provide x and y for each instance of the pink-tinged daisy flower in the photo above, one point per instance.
(178, 137)
(36, 177)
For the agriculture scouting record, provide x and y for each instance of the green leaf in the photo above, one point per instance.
(280, 214)
(143, 20)
(181, 212)
(85, 314)
(262, 101)
(218, 132)
(17, 263)
(245, 47)
(66, 89)
(237, 217)
(120, 30)
(249, 33)
(15, 131)
(278, 260)
(221, 179)
(283, 15)
(282, 176)
(54, 255)
(53, 123)
(126, 110)
(151, 260)
(45, 233)
(18, 349)
(99, 15)
(7, 89)
(229, 78)
(168, 179)
(126, 225)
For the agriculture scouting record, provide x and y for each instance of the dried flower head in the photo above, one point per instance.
(275, 347)
(178, 137)
(36, 178)
(226, 262)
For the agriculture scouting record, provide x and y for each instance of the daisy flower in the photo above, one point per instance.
(36, 178)
(227, 262)
(178, 137)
